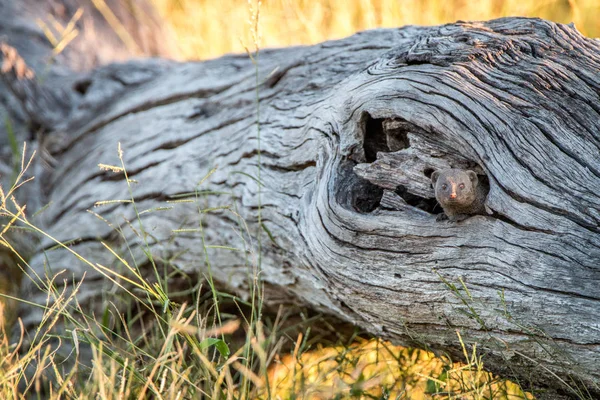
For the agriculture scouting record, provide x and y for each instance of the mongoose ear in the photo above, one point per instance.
(434, 177)
(473, 177)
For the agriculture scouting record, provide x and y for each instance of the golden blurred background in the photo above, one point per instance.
(209, 28)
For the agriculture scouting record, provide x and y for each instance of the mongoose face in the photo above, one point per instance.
(455, 187)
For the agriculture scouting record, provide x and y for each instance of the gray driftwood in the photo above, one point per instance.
(350, 131)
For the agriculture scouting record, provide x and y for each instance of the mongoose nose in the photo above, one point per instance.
(452, 195)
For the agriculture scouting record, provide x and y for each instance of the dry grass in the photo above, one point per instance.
(377, 369)
(209, 28)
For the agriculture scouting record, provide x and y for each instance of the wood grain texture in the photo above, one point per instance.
(354, 232)
(40, 102)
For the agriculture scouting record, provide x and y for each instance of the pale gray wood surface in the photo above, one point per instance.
(91, 42)
(514, 99)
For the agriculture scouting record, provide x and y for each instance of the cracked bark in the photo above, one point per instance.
(350, 133)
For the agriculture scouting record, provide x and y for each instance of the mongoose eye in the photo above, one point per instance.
(462, 186)
(444, 186)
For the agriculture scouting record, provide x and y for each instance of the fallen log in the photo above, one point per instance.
(325, 153)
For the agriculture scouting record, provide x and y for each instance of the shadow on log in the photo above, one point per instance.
(350, 132)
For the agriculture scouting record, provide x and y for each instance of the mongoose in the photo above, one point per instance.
(459, 192)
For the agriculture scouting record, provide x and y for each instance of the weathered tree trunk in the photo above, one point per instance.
(350, 132)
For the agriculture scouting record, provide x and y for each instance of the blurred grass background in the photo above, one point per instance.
(210, 28)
